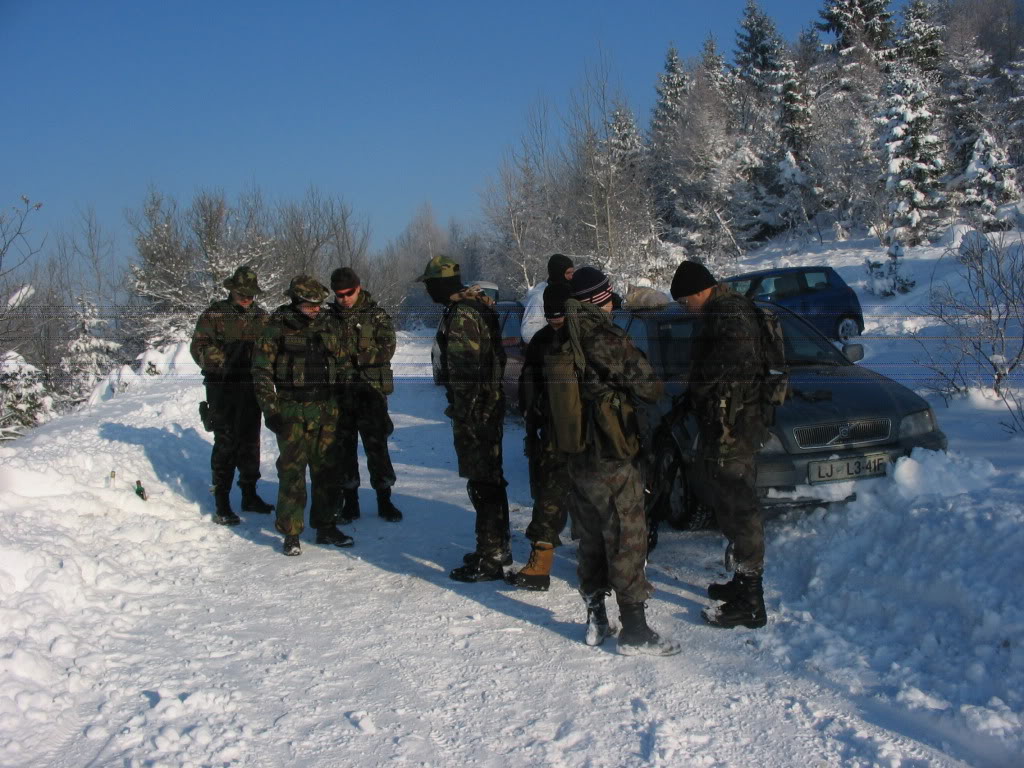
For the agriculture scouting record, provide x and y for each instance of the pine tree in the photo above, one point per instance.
(911, 155)
(25, 401)
(673, 87)
(864, 25)
(759, 50)
(88, 357)
(920, 37)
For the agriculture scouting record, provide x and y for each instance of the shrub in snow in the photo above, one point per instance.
(24, 400)
(88, 358)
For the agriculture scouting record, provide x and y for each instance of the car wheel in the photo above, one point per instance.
(847, 329)
(679, 508)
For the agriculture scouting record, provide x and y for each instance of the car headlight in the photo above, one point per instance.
(920, 423)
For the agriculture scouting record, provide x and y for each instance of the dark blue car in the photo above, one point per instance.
(818, 294)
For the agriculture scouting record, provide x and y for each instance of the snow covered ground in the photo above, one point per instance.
(137, 633)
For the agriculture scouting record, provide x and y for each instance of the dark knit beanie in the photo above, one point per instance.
(691, 278)
(557, 265)
(555, 296)
(344, 278)
(591, 285)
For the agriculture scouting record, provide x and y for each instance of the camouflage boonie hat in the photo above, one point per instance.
(306, 288)
(438, 267)
(243, 282)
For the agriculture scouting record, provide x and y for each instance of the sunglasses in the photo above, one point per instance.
(345, 294)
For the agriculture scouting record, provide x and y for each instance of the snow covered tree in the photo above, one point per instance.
(980, 175)
(24, 399)
(911, 156)
(920, 37)
(87, 357)
(864, 25)
(665, 182)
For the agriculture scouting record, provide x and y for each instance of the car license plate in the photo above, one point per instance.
(872, 465)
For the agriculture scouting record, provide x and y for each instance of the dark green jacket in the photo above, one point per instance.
(223, 340)
(297, 359)
(367, 329)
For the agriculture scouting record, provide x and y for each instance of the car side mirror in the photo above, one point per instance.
(853, 352)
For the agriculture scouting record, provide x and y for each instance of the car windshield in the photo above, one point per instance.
(675, 334)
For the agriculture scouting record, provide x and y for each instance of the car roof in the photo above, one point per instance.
(483, 284)
(779, 271)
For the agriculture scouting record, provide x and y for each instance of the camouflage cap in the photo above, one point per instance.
(439, 267)
(307, 288)
(243, 282)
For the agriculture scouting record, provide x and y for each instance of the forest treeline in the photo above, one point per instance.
(891, 121)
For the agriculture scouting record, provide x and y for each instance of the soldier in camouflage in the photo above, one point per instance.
(608, 491)
(733, 425)
(550, 484)
(295, 367)
(362, 399)
(222, 345)
(472, 365)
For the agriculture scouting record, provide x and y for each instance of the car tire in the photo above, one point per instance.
(847, 328)
(679, 507)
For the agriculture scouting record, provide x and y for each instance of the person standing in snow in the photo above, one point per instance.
(560, 269)
(473, 364)
(723, 393)
(601, 377)
(363, 398)
(295, 367)
(550, 485)
(222, 345)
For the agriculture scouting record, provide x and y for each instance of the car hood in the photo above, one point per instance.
(829, 394)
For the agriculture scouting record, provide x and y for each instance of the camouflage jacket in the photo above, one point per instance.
(297, 359)
(615, 376)
(367, 329)
(472, 357)
(223, 340)
(727, 363)
(612, 362)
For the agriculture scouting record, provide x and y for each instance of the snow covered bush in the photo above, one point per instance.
(887, 279)
(982, 309)
(24, 400)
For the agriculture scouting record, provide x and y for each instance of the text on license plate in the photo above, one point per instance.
(847, 469)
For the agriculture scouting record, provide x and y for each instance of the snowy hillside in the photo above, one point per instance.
(137, 633)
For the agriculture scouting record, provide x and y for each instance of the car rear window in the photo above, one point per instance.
(741, 286)
(816, 281)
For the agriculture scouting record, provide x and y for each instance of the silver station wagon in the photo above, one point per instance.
(842, 422)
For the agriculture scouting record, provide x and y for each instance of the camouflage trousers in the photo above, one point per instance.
(609, 521)
(363, 413)
(307, 440)
(236, 433)
(727, 487)
(478, 448)
(551, 490)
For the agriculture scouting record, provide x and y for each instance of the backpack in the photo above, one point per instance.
(774, 380)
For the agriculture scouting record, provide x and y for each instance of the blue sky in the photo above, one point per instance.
(389, 104)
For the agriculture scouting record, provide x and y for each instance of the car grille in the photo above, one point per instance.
(859, 432)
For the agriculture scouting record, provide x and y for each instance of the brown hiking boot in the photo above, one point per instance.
(536, 574)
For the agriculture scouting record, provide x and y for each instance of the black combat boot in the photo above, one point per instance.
(350, 506)
(251, 501)
(598, 627)
(636, 637)
(332, 535)
(745, 609)
(724, 591)
(291, 546)
(224, 515)
(504, 555)
(385, 508)
(485, 566)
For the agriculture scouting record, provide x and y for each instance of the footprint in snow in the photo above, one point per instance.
(362, 721)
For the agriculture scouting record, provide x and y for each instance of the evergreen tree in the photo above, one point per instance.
(911, 156)
(25, 401)
(759, 50)
(88, 357)
(864, 25)
(920, 37)
(673, 87)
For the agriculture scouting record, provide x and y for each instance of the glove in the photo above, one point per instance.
(275, 422)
